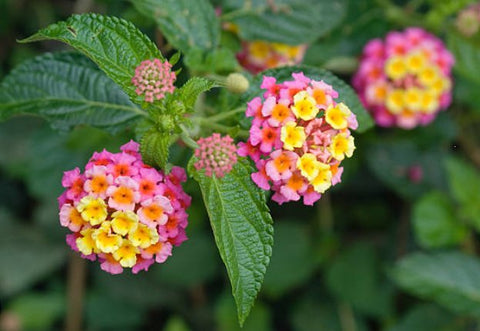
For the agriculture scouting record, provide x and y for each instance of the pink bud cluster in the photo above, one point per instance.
(468, 20)
(216, 154)
(153, 79)
(405, 80)
(258, 55)
(122, 212)
(298, 138)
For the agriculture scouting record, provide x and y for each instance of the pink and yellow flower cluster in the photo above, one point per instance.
(123, 212)
(298, 138)
(405, 80)
(259, 55)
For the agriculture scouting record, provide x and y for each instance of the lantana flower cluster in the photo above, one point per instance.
(405, 80)
(216, 154)
(122, 212)
(153, 79)
(298, 138)
(258, 55)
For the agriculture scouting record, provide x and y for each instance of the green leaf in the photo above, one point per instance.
(114, 44)
(464, 182)
(154, 148)
(435, 222)
(67, 90)
(289, 21)
(220, 60)
(427, 317)
(448, 278)
(345, 93)
(467, 56)
(354, 278)
(190, 91)
(242, 227)
(287, 257)
(186, 24)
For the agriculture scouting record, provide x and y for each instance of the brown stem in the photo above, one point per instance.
(75, 292)
(82, 6)
(325, 213)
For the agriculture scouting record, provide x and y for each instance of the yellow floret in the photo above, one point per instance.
(126, 254)
(304, 106)
(338, 116)
(428, 76)
(124, 222)
(292, 136)
(259, 49)
(416, 62)
(429, 102)
(86, 244)
(395, 101)
(341, 146)
(323, 180)
(413, 98)
(395, 67)
(308, 165)
(93, 210)
(143, 236)
(106, 241)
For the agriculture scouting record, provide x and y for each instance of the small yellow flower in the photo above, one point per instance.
(308, 165)
(429, 102)
(105, 240)
(323, 180)
(86, 243)
(126, 254)
(338, 116)
(304, 106)
(395, 67)
(143, 236)
(341, 146)
(416, 62)
(292, 136)
(124, 222)
(396, 101)
(94, 210)
(428, 76)
(259, 49)
(441, 85)
(413, 98)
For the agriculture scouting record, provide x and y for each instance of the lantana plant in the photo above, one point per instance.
(128, 210)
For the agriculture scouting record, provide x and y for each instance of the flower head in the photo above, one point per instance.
(406, 79)
(153, 79)
(259, 55)
(314, 137)
(124, 212)
(216, 154)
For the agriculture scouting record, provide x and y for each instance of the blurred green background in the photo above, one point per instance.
(384, 250)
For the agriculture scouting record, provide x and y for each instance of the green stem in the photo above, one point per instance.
(347, 319)
(186, 138)
(325, 214)
(227, 114)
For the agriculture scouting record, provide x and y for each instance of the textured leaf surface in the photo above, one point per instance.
(242, 227)
(66, 89)
(185, 23)
(464, 182)
(435, 222)
(346, 94)
(116, 45)
(287, 21)
(449, 278)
